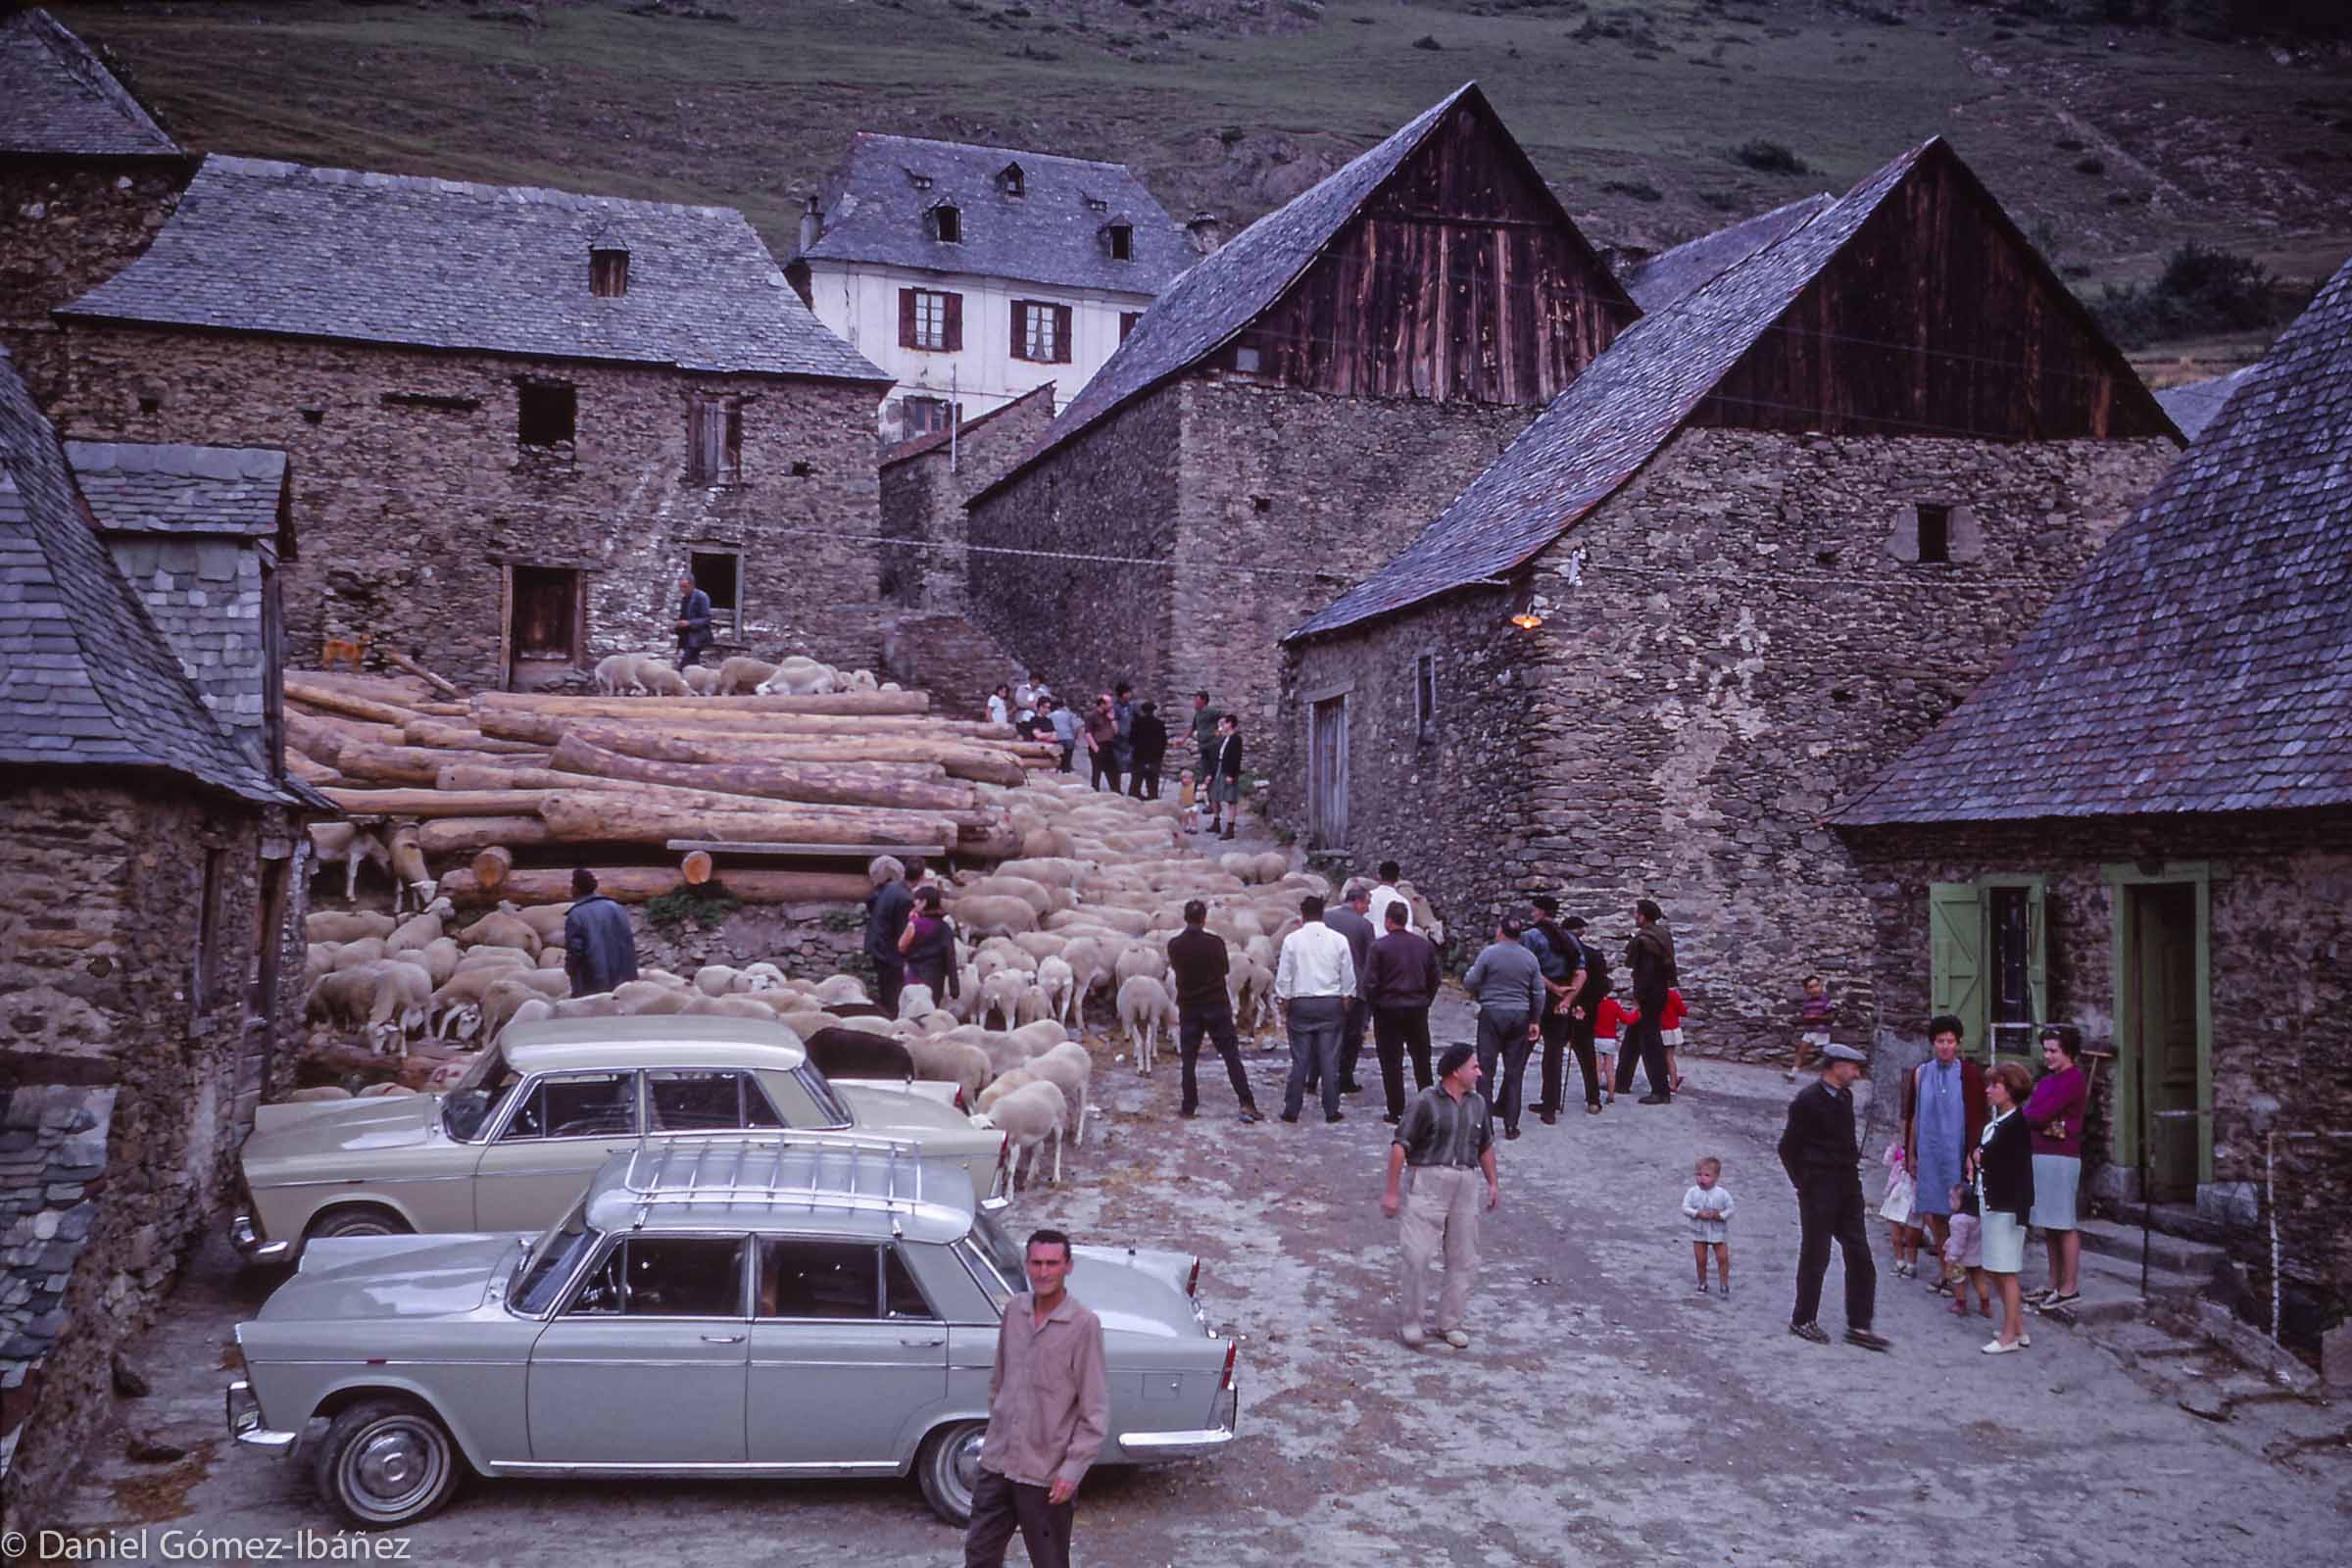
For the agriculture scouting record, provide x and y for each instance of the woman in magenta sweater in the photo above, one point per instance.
(2055, 1114)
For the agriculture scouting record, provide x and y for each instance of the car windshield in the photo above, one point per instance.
(1003, 1252)
(549, 1262)
(821, 1094)
(465, 1108)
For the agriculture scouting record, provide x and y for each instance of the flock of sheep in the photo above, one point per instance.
(649, 676)
(1083, 916)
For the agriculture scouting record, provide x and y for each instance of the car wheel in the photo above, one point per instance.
(385, 1463)
(948, 1469)
(360, 1219)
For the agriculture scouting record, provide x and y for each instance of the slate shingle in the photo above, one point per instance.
(92, 679)
(2202, 662)
(58, 99)
(335, 253)
(1050, 234)
(2194, 404)
(153, 487)
(1670, 274)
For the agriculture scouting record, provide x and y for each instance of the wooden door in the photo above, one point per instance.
(2164, 1030)
(543, 627)
(1327, 774)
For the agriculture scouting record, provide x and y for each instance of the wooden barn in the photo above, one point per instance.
(1766, 540)
(1288, 412)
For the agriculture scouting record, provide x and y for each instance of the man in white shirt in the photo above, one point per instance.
(1384, 894)
(1313, 978)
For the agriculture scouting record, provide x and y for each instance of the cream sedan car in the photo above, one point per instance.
(511, 1146)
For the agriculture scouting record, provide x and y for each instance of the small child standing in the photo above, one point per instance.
(1902, 1191)
(1188, 795)
(1964, 1253)
(1607, 1019)
(1814, 1014)
(1707, 1207)
(1669, 1031)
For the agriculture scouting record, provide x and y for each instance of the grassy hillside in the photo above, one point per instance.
(2113, 145)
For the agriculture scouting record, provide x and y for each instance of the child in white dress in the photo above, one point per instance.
(1707, 1207)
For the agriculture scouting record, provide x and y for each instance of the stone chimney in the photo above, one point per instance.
(1206, 232)
(811, 225)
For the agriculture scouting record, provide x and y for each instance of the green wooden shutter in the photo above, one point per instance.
(1956, 957)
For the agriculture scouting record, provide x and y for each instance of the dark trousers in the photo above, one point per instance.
(1555, 1051)
(999, 1506)
(1313, 1023)
(1216, 1023)
(1829, 1208)
(890, 978)
(1645, 1041)
(1580, 1042)
(1065, 758)
(1103, 766)
(1503, 1047)
(1351, 1039)
(1145, 785)
(1394, 1030)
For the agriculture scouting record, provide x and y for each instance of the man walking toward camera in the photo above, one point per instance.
(1447, 1138)
(1049, 1410)
(1820, 1153)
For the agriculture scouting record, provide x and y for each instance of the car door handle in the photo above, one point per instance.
(722, 1339)
(923, 1344)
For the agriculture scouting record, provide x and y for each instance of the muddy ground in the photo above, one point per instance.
(1605, 1413)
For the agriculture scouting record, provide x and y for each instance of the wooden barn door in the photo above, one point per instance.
(1327, 774)
(544, 625)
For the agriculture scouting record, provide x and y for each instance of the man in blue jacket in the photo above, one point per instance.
(599, 951)
(694, 621)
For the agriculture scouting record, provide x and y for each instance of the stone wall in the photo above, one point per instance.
(1729, 645)
(64, 228)
(412, 494)
(101, 906)
(2279, 944)
(923, 491)
(1233, 510)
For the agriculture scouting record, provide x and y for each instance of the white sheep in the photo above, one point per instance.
(717, 979)
(504, 928)
(532, 1011)
(616, 673)
(332, 925)
(942, 1060)
(1001, 997)
(1057, 985)
(662, 678)
(742, 673)
(1001, 1085)
(701, 680)
(1145, 1009)
(1068, 1068)
(841, 991)
(1030, 1115)
(344, 842)
(422, 929)
(799, 677)
(760, 976)
(915, 1001)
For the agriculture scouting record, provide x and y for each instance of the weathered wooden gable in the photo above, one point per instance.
(1461, 279)
(1936, 317)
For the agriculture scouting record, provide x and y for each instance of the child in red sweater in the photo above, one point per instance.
(1610, 1017)
(1670, 1030)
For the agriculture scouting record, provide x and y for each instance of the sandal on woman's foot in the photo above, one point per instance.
(2056, 1299)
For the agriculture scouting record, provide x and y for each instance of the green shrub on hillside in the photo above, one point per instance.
(2203, 290)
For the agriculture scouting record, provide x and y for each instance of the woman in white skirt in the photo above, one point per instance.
(2004, 1176)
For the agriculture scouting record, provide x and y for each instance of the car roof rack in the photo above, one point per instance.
(829, 1171)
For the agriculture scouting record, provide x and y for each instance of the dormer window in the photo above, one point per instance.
(608, 272)
(1011, 181)
(946, 224)
(918, 181)
(1121, 239)
(1095, 203)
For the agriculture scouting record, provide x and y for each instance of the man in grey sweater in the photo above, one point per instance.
(1507, 984)
(1347, 917)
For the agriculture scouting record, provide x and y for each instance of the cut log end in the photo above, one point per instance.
(695, 867)
(492, 864)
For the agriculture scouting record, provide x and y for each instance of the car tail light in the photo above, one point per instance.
(1233, 1351)
(1192, 1281)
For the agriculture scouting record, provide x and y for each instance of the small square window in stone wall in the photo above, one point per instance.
(546, 413)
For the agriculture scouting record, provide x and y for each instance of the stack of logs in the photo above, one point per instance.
(500, 780)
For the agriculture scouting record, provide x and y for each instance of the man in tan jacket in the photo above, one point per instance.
(1048, 1411)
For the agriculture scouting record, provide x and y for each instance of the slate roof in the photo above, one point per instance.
(1052, 234)
(2193, 405)
(1234, 285)
(333, 253)
(1610, 420)
(147, 487)
(1670, 274)
(58, 99)
(2200, 661)
(937, 440)
(53, 1143)
(91, 680)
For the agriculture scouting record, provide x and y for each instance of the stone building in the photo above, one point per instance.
(1766, 540)
(925, 483)
(975, 276)
(148, 903)
(514, 416)
(1290, 414)
(86, 177)
(2141, 825)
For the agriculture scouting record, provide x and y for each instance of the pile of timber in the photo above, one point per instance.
(487, 786)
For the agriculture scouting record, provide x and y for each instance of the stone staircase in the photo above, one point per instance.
(949, 657)
(2180, 1272)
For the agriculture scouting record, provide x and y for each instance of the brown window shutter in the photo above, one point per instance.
(731, 473)
(905, 318)
(1020, 330)
(1062, 334)
(954, 322)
